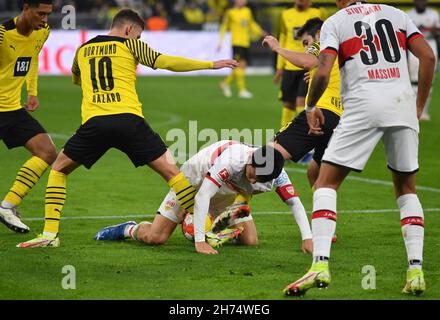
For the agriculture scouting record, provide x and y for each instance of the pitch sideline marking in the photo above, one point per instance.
(257, 213)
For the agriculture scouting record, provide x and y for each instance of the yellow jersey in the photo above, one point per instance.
(240, 22)
(106, 67)
(331, 98)
(18, 63)
(292, 21)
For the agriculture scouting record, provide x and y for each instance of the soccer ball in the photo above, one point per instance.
(188, 226)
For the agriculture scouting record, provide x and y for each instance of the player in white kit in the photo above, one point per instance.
(371, 41)
(428, 22)
(220, 173)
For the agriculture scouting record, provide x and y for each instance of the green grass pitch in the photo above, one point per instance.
(114, 190)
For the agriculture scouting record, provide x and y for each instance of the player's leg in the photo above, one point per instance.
(249, 236)
(145, 147)
(55, 198)
(401, 147)
(347, 150)
(312, 173)
(177, 180)
(25, 131)
(169, 215)
(85, 148)
(240, 76)
(225, 85)
(288, 97)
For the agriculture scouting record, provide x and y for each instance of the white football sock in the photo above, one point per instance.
(412, 223)
(7, 205)
(323, 222)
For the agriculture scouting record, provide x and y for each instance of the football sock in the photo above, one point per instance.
(287, 115)
(240, 77)
(323, 221)
(242, 198)
(133, 231)
(229, 79)
(184, 191)
(55, 199)
(29, 174)
(412, 223)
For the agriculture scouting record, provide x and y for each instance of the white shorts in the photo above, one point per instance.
(170, 207)
(353, 148)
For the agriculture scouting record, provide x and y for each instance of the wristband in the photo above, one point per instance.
(309, 109)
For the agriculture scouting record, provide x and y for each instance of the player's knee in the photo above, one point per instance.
(48, 153)
(251, 242)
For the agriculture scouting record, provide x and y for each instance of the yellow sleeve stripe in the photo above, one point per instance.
(314, 49)
(142, 52)
(2, 33)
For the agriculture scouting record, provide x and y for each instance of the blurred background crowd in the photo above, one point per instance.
(176, 14)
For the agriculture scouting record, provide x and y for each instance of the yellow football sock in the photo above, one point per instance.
(240, 77)
(242, 198)
(229, 79)
(287, 116)
(29, 174)
(184, 191)
(55, 199)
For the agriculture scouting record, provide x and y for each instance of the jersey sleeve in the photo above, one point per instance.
(142, 52)
(313, 49)
(329, 37)
(282, 39)
(2, 34)
(412, 32)
(32, 76)
(76, 72)
(224, 26)
(283, 186)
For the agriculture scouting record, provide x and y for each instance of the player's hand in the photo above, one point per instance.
(205, 248)
(32, 103)
(278, 76)
(315, 119)
(271, 43)
(307, 77)
(229, 63)
(307, 246)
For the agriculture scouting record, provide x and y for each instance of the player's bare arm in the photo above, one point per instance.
(300, 59)
(315, 117)
(422, 50)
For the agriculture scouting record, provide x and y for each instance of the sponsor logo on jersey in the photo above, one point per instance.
(224, 174)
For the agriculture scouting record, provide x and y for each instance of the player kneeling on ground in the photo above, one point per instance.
(105, 67)
(226, 175)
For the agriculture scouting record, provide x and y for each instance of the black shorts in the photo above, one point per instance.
(297, 141)
(126, 132)
(240, 53)
(293, 85)
(18, 127)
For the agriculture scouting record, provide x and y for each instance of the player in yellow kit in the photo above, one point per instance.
(105, 67)
(240, 22)
(294, 140)
(21, 40)
(293, 86)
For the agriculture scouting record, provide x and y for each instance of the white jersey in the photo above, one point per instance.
(224, 164)
(427, 21)
(371, 41)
